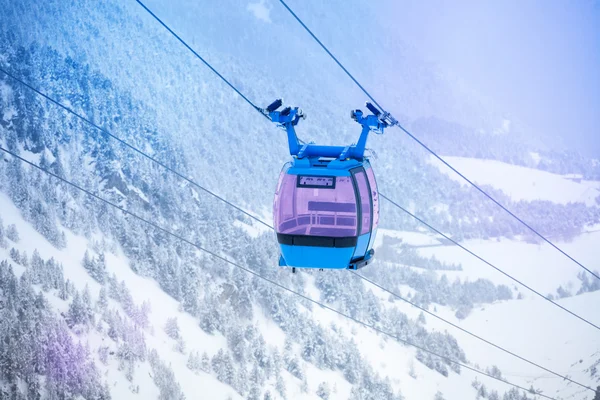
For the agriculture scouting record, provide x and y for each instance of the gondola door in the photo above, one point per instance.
(365, 211)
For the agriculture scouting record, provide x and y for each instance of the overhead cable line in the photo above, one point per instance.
(130, 146)
(190, 181)
(258, 109)
(429, 149)
(180, 175)
(488, 263)
(470, 333)
(258, 275)
(201, 58)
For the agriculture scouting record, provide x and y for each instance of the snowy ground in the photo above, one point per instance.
(539, 266)
(531, 327)
(532, 184)
(162, 307)
(411, 238)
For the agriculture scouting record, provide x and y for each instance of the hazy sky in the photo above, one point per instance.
(539, 60)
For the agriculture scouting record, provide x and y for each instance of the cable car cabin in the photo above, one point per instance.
(326, 213)
(326, 206)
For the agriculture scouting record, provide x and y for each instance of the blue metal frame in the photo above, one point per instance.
(289, 117)
(324, 257)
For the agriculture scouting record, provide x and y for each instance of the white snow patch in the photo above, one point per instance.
(520, 183)
(531, 328)
(137, 191)
(540, 266)
(273, 334)
(250, 230)
(411, 238)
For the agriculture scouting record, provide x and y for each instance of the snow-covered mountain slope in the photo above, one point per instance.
(529, 327)
(159, 319)
(521, 183)
(541, 264)
(162, 307)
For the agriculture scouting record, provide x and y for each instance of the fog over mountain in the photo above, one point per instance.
(537, 61)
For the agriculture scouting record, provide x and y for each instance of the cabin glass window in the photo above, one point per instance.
(374, 197)
(316, 208)
(365, 201)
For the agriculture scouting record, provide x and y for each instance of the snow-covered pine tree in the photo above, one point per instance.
(193, 362)
(77, 313)
(164, 378)
(493, 395)
(323, 391)
(87, 305)
(102, 301)
(3, 242)
(12, 233)
(280, 386)
(15, 255)
(438, 396)
(172, 328)
(205, 364)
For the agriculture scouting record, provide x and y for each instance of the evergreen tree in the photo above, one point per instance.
(86, 262)
(205, 363)
(254, 393)
(126, 299)
(294, 368)
(217, 365)
(164, 378)
(12, 233)
(15, 256)
(24, 259)
(77, 313)
(482, 392)
(3, 243)
(193, 362)
(100, 268)
(113, 288)
(280, 386)
(242, 383)
(323, 391)
(180, 345)
(37, 267)
(62, 294)
(95, 267)
(102, 301)
(172, 328)
(87, 305)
